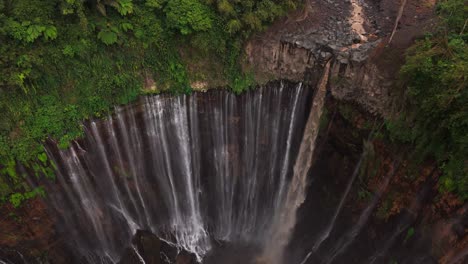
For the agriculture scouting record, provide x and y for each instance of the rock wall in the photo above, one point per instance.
(353, 34)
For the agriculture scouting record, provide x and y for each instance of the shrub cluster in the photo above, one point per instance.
(63, 61)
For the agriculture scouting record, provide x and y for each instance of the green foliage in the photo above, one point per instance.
(234, 26)
(244, 17)
(50, 33)
(33, 32)
(28, 32)
(241, 83)
(64, 61)
(16, 199)
(125, 7)
(238, 81)
(188, 16)
(454, 14)
(107, 36)
(155, 3)
(409, 234)
(436, 119)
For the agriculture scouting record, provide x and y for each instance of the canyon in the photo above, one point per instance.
(293, 171)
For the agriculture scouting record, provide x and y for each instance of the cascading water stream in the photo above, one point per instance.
(223, 177)
(324, 235)
(285, 219)
(190, 169)
(343, 243)
(406, 219)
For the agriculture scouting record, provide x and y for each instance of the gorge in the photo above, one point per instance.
(232, 132)
(192, 169)
(218, 178)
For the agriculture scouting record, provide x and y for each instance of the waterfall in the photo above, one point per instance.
(285, 220)
(326, 232)
(192, 169)
(221, 178)
(344, 242)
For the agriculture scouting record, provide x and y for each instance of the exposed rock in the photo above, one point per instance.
(150, 249)
(352, 34)
(361, 83)
(200, 86)
(149, 84)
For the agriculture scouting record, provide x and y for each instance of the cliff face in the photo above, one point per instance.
(354, 34)
(366, 42)
(395, 205)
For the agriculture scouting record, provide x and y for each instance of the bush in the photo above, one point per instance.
(436, 118)
(188, 16)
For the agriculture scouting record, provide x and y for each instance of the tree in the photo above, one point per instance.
(436, 74)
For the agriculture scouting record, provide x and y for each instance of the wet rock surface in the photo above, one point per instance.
(388, 217)
(231, 253)
(150, 249)
(362, 72)
(407, 223)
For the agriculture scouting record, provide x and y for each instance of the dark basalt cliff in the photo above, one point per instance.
(366, 42)
(355, 35)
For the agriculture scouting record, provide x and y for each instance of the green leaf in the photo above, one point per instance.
(234, 26)
(107, 37)
(16, 199)
(42, 157)
(50, 33)
(188, 16)
(125, 7)
(33, 32)
(126, 26)
(154, 3)
(114, 29)
(10, 170)
(68, 51)
(409, 234)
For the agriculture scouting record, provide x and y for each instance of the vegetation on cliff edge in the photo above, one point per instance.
(435, 115)
(63, 61)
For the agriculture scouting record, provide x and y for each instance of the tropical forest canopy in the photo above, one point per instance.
(434, 118)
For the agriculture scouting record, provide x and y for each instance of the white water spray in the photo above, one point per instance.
(286, 220)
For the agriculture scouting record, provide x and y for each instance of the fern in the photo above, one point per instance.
(108, 37)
